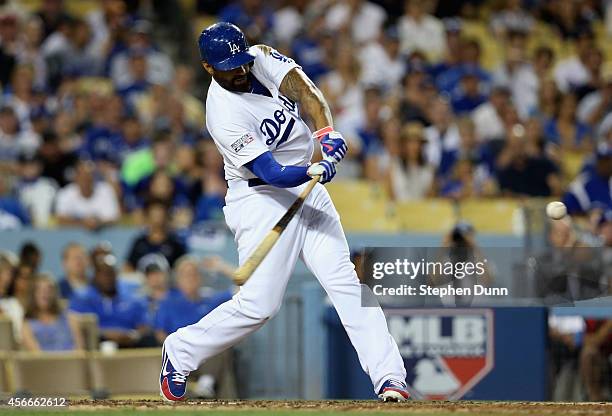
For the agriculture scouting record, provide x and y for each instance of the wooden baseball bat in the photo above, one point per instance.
(245, 271)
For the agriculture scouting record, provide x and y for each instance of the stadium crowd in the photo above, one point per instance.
(96, 118)
(102, 122)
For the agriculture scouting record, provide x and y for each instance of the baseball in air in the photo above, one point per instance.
(556, 210)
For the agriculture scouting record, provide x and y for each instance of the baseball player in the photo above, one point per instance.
(253, 113)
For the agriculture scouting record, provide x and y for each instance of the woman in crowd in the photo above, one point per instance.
(14, 303)
(565, 130)
(409, 175)
(47, 327)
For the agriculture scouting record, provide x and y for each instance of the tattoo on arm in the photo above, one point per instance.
(298, 87)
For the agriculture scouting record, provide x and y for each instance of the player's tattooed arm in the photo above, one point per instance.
(297, 86)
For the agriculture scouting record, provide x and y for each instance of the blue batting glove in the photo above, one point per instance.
(334, 146)
(324, 169)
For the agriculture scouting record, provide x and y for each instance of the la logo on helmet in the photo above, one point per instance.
(234, 48)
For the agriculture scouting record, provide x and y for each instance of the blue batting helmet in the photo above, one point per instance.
(224, 46)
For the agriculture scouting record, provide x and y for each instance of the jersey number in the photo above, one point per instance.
(271, 128)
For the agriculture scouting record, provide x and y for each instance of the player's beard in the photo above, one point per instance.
(240, 83)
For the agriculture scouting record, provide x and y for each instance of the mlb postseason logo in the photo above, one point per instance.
(445, 352)
(242, 141)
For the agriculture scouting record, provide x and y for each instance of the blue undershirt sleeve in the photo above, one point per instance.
(266, 168)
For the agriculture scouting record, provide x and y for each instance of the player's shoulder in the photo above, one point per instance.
(268, 54)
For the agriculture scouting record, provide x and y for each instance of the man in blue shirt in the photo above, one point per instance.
(121, 318)
(592, 189)
(188, 304)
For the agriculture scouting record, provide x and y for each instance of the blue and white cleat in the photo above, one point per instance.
(172, 384)
(393, 391)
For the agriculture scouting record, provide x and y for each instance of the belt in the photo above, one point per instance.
(256, 182)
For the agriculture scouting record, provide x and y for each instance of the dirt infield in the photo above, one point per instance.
(349, 406)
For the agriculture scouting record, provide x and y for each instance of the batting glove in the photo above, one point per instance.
(333, 144)
(324, 169)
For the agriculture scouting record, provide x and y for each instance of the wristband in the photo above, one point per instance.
(322, 132)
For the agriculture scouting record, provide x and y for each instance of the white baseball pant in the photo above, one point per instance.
(315, 235)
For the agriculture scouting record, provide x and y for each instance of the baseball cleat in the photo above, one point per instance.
(393, 391)
(172, 384)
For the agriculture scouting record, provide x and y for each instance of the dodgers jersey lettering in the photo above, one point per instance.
(245, 125)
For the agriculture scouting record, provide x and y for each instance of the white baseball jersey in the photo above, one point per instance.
(245, 125)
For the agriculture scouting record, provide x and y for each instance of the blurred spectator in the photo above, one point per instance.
(211, 199)
(464, 182)
(22, 98)
(102, 138)
(526, 171)
(58, 164)
(47, 327)
(28, 52)
(565, 130)
(365, 132)
(13, 139)
(70, 50)
(158, 238)
(184, 91)
(314, 48)
(36, 193)
(381, 62)
(7, 270)
(52, 13)
(75, 264)
(488, 116)
(138, 83)
(415, 96)
(443, 134)
(17, 297)
(187, 306)
(30, 256)
(107, 25)
(591, 188)
(254, 17)
(453, 54)
(362, 20)
(164, 187)
(566, 18)
(131, 138)
(549, 97)
(469, 96)
(156, 287)
(8, 46)
(122, 319)
(142, 163)
(471, 51)
(510, 18)
(572, 73)
(86, 202)
(409, 174)
(13, 215)
(470, 148)
(342, 88)
(289, 20)
(595, 107)
(525, 79)
(158, 64)
(419, 30)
